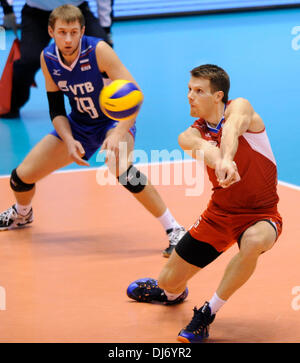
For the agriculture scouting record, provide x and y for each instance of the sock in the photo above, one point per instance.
(168, 221)
(23, 209)
(216, 303)
(171, 296)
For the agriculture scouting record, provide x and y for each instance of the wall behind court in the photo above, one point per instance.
(124, 9)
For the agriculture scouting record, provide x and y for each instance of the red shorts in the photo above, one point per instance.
(222, 229)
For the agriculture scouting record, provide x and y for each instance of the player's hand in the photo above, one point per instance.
(76, 152)
(113, 144)
(227, 173)
(10, 22)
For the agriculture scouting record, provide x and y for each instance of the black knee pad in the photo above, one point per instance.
(133, 180)
(17, 185)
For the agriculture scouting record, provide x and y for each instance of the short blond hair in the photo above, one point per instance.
(68, 14)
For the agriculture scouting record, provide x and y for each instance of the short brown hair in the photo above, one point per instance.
(67, 13)
(219, 79)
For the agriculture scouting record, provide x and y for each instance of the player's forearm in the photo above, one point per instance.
(238, 119)
(229, 143)
(124, 126)
(210, 153)
(200, 149)
(63, 128)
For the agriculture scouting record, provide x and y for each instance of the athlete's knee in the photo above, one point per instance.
(133, 180)
(255, 242)
(18, 185)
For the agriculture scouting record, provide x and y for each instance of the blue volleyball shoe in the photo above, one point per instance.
(198, 329)
(147, 290)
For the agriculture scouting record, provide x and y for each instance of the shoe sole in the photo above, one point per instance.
(2, 229)
(183, 340)
(166, 255)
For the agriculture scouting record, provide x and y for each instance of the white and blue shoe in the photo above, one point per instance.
(11, 219)
(174, 236)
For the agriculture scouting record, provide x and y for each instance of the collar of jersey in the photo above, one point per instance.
(218, 127)
(72, 66)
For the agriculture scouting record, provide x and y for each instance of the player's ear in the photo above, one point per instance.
(219, 96)
(50, 31)
(82, 30)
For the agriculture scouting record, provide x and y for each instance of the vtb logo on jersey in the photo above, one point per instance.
(77, 89)
(85, 65)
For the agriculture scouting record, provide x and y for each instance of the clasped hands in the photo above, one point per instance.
(226, 172)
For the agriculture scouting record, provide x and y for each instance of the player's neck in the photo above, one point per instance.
(69, 60)
(216, 115)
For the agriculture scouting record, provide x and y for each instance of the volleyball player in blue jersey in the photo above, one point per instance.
(34, 37)
(73, 65)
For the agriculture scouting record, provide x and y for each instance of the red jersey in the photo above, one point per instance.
(257, 189)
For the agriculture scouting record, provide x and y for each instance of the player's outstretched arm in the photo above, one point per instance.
(109, 62)
(194, 145)
(240, 117)
(58, 116)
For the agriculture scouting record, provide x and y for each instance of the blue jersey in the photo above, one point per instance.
(82, 82)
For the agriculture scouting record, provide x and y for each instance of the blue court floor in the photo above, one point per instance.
(259, 50)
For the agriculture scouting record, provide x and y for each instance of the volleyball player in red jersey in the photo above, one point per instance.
(243, 208)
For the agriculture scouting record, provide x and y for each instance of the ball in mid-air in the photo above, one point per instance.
(121, 100)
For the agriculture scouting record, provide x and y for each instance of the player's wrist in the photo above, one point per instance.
(215, 163)
(68, 139)
(227, 159)
(121, 130)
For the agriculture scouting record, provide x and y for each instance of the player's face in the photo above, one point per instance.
(67, 36)
(201, 99)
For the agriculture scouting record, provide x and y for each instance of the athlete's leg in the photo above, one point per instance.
(142, 189)
(148, 196)
(34, 38)
(47, 156)
(171, 286)
(188, 258)
(175, 274)
(255, 240)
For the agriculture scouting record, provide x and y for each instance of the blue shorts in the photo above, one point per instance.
(91, 137)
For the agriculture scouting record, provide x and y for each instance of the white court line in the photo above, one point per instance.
(285, 184)
(280, 182)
